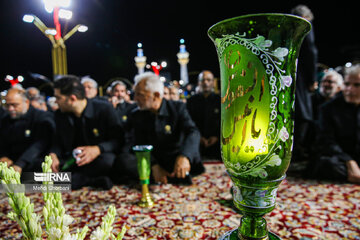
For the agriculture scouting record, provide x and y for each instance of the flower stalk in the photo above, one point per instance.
(23, 210)
(56, 220)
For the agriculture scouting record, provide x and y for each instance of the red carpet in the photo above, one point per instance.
(305, 210)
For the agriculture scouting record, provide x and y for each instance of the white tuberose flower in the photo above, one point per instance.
(98, 234)
(67, 220)
(54, 233)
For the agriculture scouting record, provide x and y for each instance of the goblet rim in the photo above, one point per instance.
(142, 148)
(255, 15)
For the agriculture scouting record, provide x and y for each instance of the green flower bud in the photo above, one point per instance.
(12, 216)
(24, 213)
(45, 212)
(32, 226)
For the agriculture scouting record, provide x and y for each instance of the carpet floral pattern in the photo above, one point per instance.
(305, 210)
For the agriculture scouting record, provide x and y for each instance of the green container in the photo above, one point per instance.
(258, 57)
(142, 153)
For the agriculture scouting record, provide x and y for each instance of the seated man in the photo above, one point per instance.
(168, 127)
(339, 139)
(330, 85)
(118, 99)
(88, 126)
(204, 109)
(91, 88)
(25, 133)
(174, 94)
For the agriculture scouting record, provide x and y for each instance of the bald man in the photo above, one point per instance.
(25, 133)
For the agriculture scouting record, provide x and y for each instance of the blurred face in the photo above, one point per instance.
(329, 86)
(119, 91)
(174, 94)
(64, 102)
(207, 82)
(352, 89)
(32, 93)
(90, 90)
(166, 93)
(144, 98)
(16, 105)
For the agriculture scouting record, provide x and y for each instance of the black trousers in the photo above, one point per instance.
(89, 174)
(327, 168)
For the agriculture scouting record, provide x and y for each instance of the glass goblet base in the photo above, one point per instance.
(233, 235)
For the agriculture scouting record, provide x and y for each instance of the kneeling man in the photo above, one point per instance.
(167, 126)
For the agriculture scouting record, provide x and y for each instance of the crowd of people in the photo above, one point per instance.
(92, 136)
(98, 132)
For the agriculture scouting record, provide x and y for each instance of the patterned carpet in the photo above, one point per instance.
(305, 210)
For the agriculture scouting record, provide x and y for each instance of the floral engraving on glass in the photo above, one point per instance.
(254, 197)
(272, 75)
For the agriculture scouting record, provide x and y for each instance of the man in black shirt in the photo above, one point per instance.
(25, 133)
(339, 140)
(90, 126)
(168, 127)
(305, 80)
(118, 100)
(204, 109)
(330, 85)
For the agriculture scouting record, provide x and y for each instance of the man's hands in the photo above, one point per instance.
(10, 163)
(17, 168)
(353, 171)
(182, 168)
(55, 162)
(87, 155)
(160, 175)
(7, 160)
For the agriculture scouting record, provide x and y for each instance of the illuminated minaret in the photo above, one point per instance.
(183, 60)
(140, 59)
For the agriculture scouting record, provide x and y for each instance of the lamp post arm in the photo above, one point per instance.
(71, 32)
(42, 27)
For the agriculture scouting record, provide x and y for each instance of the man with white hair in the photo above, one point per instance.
(339, 139)
(331, 84)
(167, 126)
(91, 87)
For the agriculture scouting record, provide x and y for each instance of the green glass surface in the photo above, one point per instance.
(142, 153)
(233, 235)
(257, 57)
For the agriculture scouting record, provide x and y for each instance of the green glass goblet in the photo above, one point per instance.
(258, 58)
(142, 153)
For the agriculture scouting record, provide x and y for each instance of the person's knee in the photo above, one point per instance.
(107, 160)
(126, 163)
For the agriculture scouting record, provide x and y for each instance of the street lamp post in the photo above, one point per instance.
(58, 52)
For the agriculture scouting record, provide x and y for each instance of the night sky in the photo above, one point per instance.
(108, 48)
